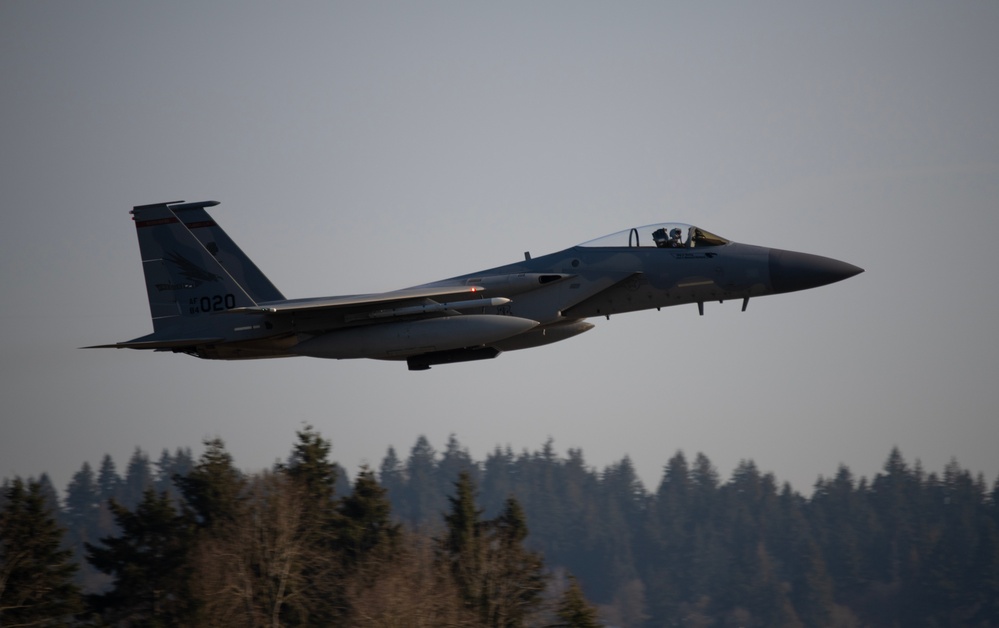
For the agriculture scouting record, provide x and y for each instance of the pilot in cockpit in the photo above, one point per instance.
(675, 239)
(672, 240)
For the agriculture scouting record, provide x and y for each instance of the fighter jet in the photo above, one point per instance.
(208, 299)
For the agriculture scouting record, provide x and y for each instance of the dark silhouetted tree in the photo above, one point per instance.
(462, 548)
(36, 574)
(138, 479)
(453, 462)
(392, 476)
(149, 564)
(108, 480)
(82, 498)
(574, 611)
(496, 577)
(318, 599)
(423, 500)
(514, 576)
(364, 526)
(310, 467)
(169, 467)
(86, 520)
(213, 488)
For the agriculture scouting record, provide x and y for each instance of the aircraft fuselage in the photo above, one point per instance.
(208, 299)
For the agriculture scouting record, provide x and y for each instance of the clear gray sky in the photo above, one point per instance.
(360, 147)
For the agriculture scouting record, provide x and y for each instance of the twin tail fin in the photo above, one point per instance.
(192, 267)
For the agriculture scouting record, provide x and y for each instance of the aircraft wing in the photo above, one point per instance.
(373, 302)
(342, 311)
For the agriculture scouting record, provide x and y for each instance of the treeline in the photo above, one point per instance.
(438, 538)
(218, 547)
(907, 548)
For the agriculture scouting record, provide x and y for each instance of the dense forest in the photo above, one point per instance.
(519, 539)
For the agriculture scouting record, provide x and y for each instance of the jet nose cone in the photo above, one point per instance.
(790, 271)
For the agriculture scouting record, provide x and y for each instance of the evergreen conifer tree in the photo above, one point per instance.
(574, 611)
(984, 574)
(108, 480)
(49, 494)
(514, 575)
(496, 577)
(149, 564)
(317, 600)
(423, 499)
(36, 574)
(168, 467)
(462, 547)
(82, 499)
(138, 479)
(667, 546)
(364, 526)
(82, 518)
(497, 479)
(392, 476)
(454, 460)
(213, 488)
(310, 467)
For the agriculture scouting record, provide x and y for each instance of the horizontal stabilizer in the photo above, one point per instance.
(158, 344)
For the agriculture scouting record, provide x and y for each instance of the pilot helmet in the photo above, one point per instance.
(675, 233)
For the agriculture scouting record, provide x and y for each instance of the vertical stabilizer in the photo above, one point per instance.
(226, 251)
(183, 279)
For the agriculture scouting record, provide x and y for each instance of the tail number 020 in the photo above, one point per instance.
(216, 303)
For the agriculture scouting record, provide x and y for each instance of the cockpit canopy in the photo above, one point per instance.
(672, 235)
